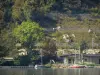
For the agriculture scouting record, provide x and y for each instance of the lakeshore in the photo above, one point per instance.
(53, 66)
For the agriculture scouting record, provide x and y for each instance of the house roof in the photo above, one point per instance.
(87, 55)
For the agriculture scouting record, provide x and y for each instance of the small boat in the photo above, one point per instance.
(40, 67)
(77, 66)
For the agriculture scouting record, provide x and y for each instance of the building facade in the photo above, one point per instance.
(76, 58)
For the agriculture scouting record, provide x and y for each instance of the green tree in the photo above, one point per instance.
(22, 10)
(83, 46)
(71, 3)
(7, 41)
(17, 9)
(5, 12)
(3, 51)
(1, 16)
(28, 33)
(49, 47)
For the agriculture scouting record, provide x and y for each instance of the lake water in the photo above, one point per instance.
(85, 71)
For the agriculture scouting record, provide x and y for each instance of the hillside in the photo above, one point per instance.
(73, 16)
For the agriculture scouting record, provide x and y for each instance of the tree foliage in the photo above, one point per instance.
(71, 3)
(28, 33)
(23, 9)
(3, 51)
(7, 41)
(49, 47)
(83, 46)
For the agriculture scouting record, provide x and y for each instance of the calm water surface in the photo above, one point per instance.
(90, 71)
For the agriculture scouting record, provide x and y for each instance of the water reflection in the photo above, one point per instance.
(85, 71)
